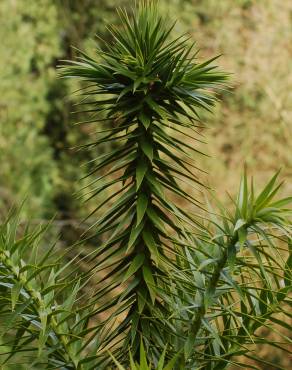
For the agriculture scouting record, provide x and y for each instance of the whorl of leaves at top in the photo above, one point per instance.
(149, 88)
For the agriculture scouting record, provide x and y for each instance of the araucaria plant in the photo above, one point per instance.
(172, 286)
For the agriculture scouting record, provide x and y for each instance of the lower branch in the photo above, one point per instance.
(212, 285)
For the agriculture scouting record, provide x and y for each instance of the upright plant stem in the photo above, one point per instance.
(212, 286)
(144, 83)
(144, 292)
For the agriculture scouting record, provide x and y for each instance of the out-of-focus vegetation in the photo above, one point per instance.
(253, 124)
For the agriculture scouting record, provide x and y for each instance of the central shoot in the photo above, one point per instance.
(145, 89)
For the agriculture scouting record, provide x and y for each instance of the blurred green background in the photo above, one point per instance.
(252, 125)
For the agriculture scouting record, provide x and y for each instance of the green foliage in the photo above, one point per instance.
(35, 317)
(143, 363)
(34, 135)
(147, 83)
(242, 278)
(29, 43)
(169, 288)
